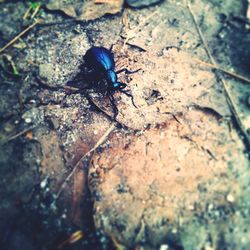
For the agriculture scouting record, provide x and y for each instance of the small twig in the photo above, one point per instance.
(16, 135)
(32, 8)
(212, 66)
(36, 10)
(224, 83)
(12, 64)
(100, 141)
(25, 16)
(139, 47)
(211, 154)
(240, 77)
(44, 24)
(18, 36)
(200, 33)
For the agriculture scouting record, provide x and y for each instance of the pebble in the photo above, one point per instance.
(230, 198)
(64, 216)
(28, 120)
(210, 206)
(34, 115)
(191, 207)
(44, 183)
(164, 247)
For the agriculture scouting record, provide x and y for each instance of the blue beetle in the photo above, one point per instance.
(101, 61)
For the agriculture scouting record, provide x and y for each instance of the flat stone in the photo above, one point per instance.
(156, 194)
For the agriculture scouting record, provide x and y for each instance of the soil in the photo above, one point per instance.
(170, 173)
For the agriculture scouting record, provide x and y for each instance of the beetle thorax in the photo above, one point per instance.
(111, 76)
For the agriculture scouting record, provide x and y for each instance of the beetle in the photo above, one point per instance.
(101, 62)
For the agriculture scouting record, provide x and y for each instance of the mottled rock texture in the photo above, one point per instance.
(172, 173)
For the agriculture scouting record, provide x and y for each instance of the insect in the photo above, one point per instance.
(101, 61)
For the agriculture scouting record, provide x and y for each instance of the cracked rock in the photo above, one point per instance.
(155, 188)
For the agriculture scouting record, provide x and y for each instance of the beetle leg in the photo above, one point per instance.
(127, 71)
(92, 103)
(122, 85)
(115, 109)
(129, 95)
(111, 48)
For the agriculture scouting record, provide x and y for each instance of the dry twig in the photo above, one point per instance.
(19, 35)
(100, 141)
(11, 138)
(240, 77)
(224, 83)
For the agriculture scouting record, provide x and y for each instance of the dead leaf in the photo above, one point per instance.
(72, 239)
(29, 135)
(87, 10)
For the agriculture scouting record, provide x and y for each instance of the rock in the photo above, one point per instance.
(147, 183)
(182, 202)
(33, 116)
(64, 60)
(169, 91)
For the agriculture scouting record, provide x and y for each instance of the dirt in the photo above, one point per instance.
(170, 174)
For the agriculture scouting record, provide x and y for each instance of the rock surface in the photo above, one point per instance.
(172, 173)
(157, 187)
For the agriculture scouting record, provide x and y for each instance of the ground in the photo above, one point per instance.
(172, 173)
